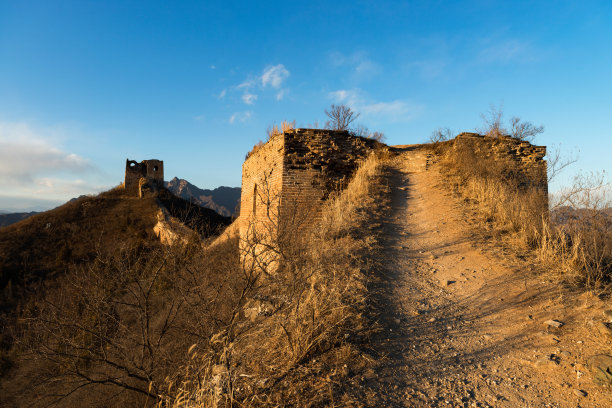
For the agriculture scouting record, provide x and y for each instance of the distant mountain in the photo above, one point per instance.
(11, 218)
(224, 200)
(566, 215)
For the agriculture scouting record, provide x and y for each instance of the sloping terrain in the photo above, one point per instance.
(77, 231)
(53, 263)
(464, 320)
(224, 200)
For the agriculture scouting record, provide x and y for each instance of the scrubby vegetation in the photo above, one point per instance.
(90, 300)
(299, 315)
(577, 245)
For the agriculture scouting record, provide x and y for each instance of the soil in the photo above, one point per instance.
(463, 318)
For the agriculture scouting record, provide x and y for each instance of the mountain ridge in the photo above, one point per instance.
(224, 200)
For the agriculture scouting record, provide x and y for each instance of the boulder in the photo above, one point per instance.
(600, 366)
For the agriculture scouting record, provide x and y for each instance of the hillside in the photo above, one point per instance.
(224, 200)
(77, 231)
(42, 256)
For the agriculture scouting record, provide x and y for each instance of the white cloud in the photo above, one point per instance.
(249, 83)
(350, 97)
(360, 65)
(274, 76)
(511, 50)
(213, 67)
(24, 155)
(249, 98)
(395, 111)
(34, 167)
(240, 117)
(429, 69)
(222, 94)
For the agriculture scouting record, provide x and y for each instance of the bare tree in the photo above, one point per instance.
(441, 135)
(494, 125)
(340, 117)
(524, 130)
(378, 136)
(493, 121)
(557, 163)
(363, 131)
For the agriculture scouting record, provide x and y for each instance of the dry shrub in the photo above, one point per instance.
(500, 190)
(284, 127)
(116, 328)
(578, 246)
(578, 239)
(297, 320)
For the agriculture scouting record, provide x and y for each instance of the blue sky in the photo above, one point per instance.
(86, 84)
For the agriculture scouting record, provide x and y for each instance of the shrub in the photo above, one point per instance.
(578, 246)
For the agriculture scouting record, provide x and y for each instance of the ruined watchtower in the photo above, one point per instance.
(294, 172)
(151, 171)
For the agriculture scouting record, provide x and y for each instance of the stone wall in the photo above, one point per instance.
(262, 174)
(318, 162)
(518, 156)
(151, 170)
(286, 180)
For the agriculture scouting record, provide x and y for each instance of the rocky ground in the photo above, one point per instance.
(467, 323)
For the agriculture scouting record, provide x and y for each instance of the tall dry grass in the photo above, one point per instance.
(577, 247)
(292, 336)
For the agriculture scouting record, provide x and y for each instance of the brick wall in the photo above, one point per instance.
(318, 162)
(285, 181)
(262, 175)
(519, 155)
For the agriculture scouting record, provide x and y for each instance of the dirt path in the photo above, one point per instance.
(463, 325)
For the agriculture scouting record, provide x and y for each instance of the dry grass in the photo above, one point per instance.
(578, 250)
(290, 342)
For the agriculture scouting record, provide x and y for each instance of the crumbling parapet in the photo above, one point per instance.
(516, 154)
(286, 180)
(144, 176)
(297, 170)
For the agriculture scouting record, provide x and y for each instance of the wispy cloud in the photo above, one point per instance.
(428, 69)
(359, 64)
(351, 97)
(274, 76)
(506, 51)
(240, 117)
(248, 98)
(222, 94)
(394, 111)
